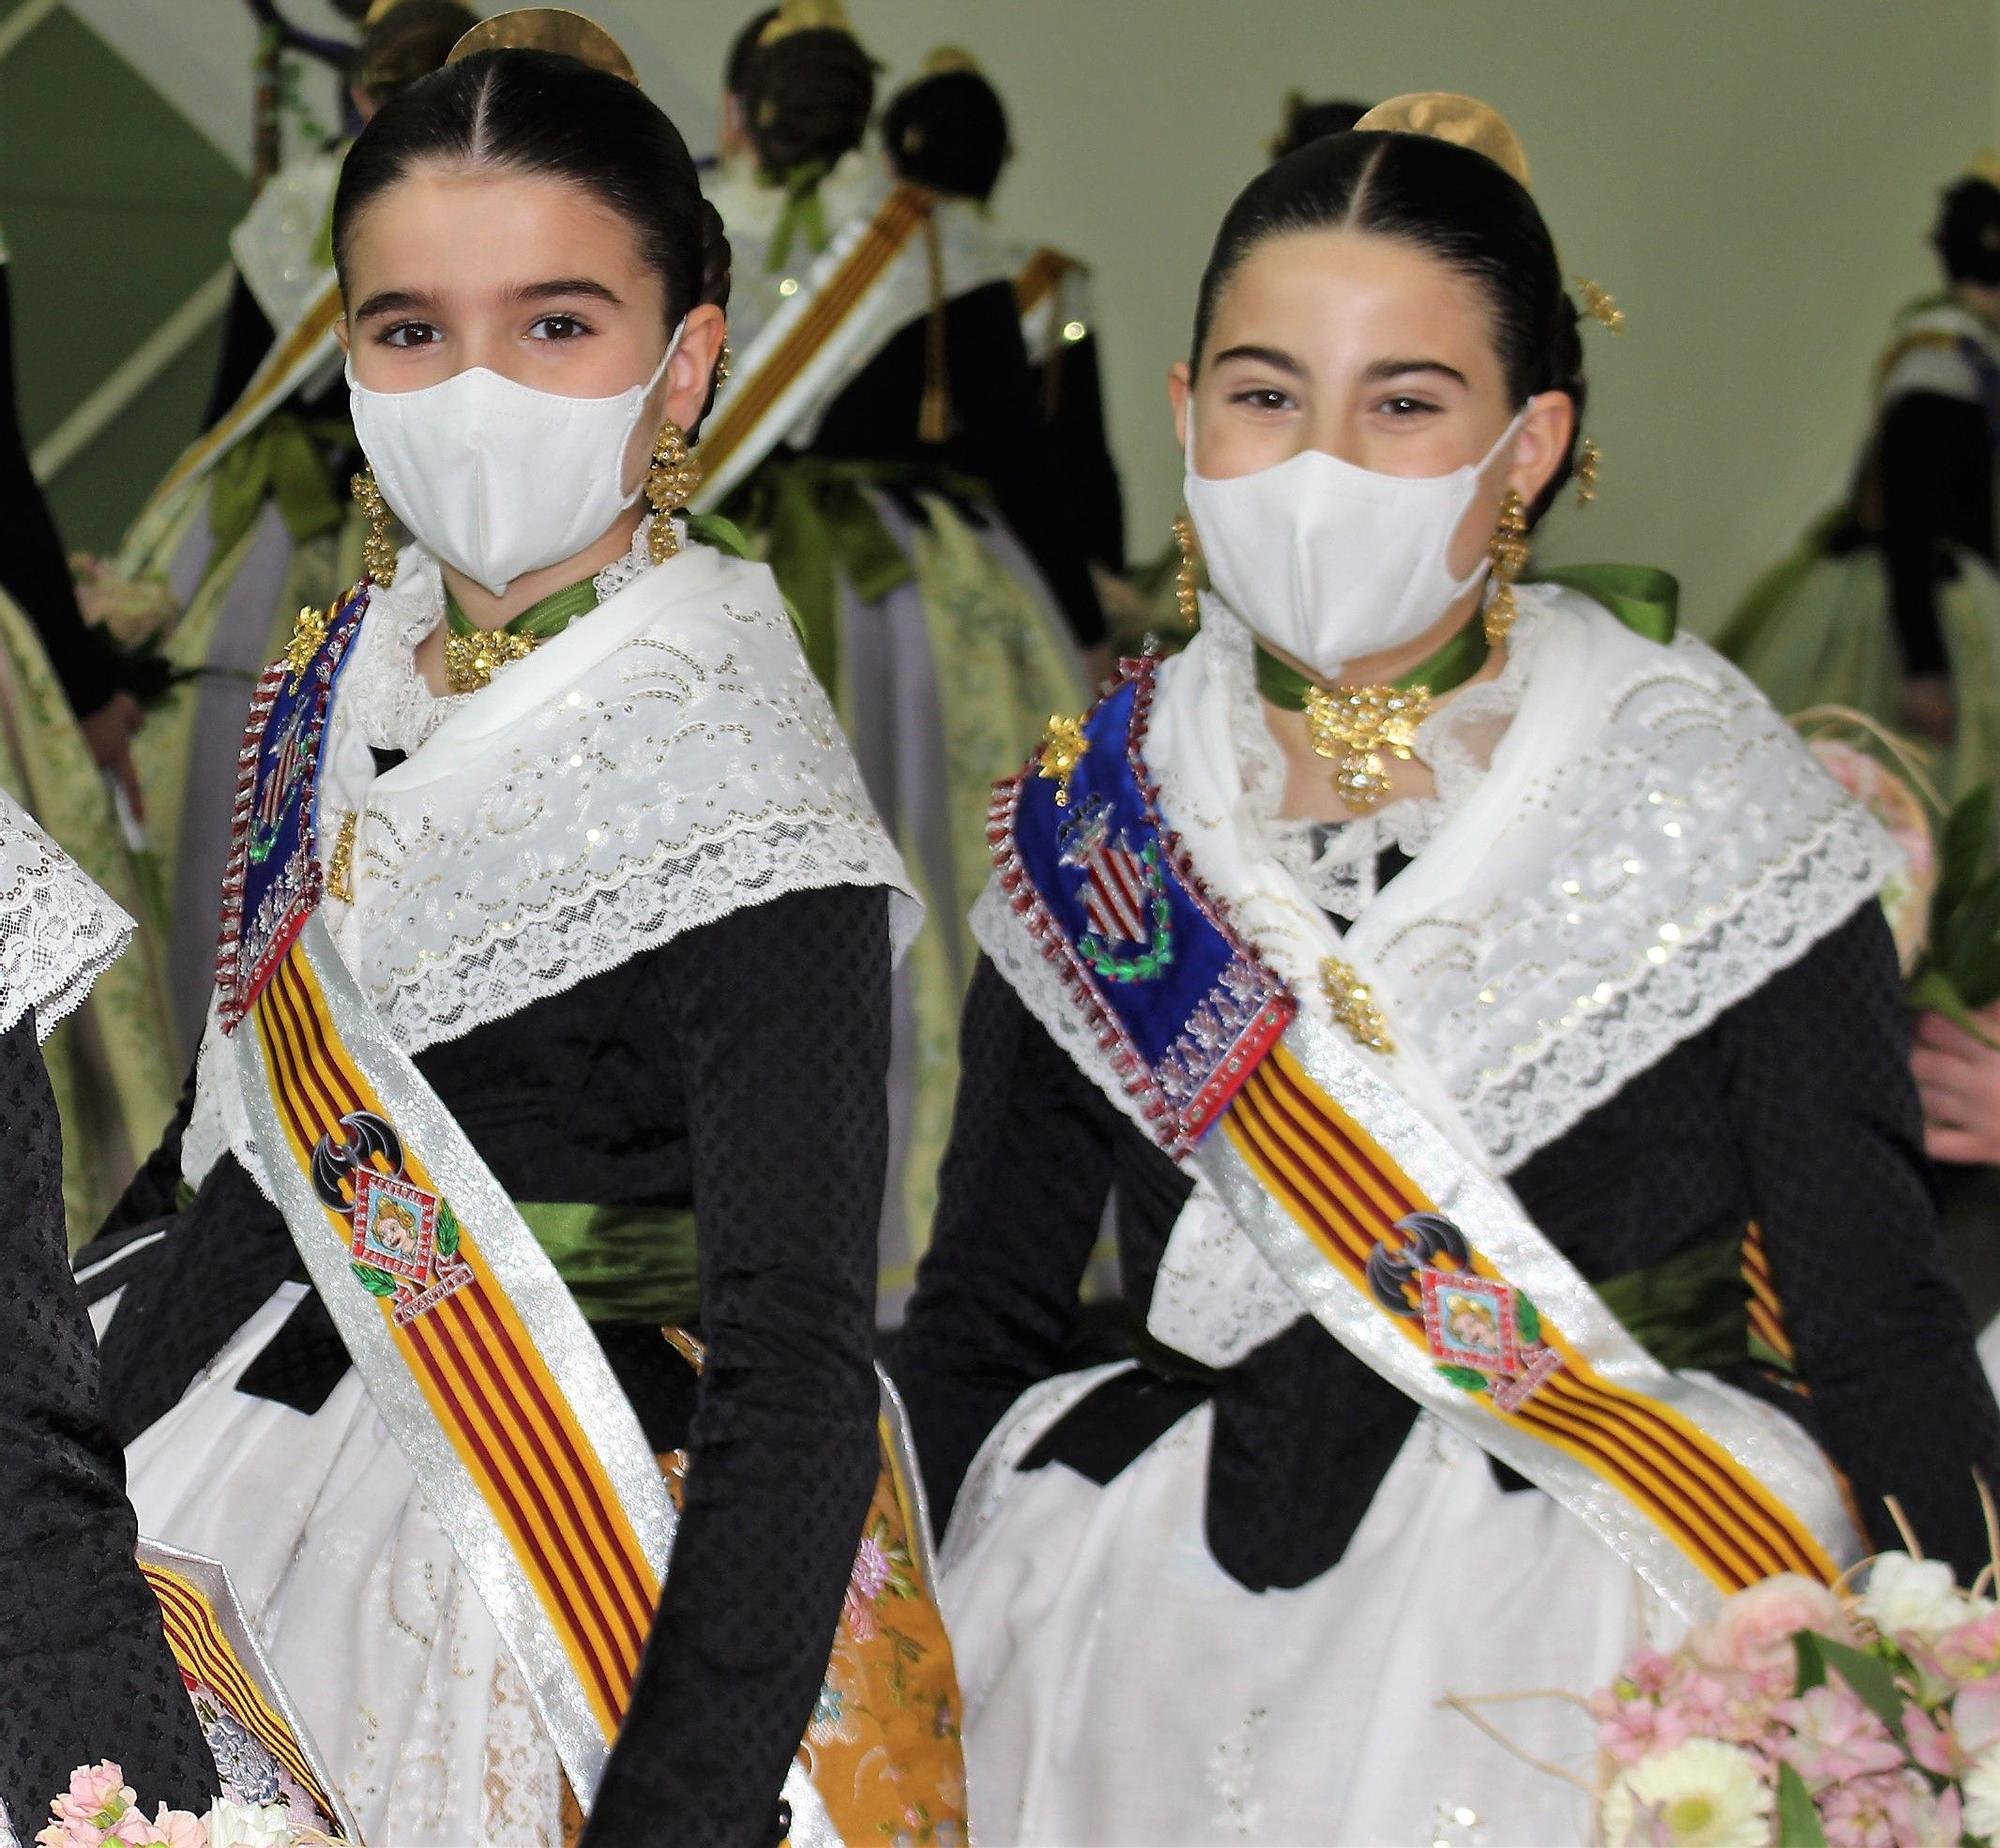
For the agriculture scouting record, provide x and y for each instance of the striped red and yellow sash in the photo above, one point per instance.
(1348, 1194)
(483, 1377)
(901, 216)
(201, 1645)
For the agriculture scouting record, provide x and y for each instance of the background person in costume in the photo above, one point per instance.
(948, 131)
(799, 94)
(879, 443)
(601, 919)
(66, 725)
(1473, 836)
(1891, 605)
(253, 521)
(88, 1672)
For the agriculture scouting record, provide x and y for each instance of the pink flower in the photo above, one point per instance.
(871, 1568)
(860, 1615)
(1889, 1810)
(98, 1794)
(1972, 1650)
(180, 1829)
(1754, 1630)
(1835, 1737)
(1629, 1730)
(1933, 1743)
(1975, 1715)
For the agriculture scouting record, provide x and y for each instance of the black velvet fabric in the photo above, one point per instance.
(34, 568)
(1794, 1110)
(739, 1069)
(996, 435)
(1935, 463)
(87, 1670)
(1070, 390)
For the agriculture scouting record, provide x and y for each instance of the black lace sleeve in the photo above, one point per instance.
(1826, 1115)
(1020, 1199)
(779, 1019)
(87, 1671)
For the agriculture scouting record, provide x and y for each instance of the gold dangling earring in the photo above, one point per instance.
(671, 480)
(1187, 592)
(1509, 552)
(378, 550)
(1590, 459)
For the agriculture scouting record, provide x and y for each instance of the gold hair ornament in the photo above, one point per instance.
(671, 479)
(1508, 550)
(806, 16)
(1464, 121)
(1985, 165)
(548, 28)
(1600, 304)
(380, 11)
(945, 60)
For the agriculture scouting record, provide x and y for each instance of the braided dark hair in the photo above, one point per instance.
(539, 113)
(949, 132)
(407, 42)
(807, 98)
(1462, 208)
(1967, 233)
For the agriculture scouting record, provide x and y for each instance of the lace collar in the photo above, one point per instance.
(1336, 863)
(58, 932)
(390, 698)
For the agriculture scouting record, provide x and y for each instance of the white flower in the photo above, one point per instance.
(247, 1825)
(1701, 1794)
(1916, 1597)
(1982, 1795)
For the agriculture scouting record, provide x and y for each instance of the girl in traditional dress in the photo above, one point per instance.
(1476, 1002)
(65, 739)
(553, 1012)
(879, 443)
(1891, 605)
(87, 1670)
(252, 521)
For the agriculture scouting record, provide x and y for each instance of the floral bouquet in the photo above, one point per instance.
(132, 616)
(101, 1810)
(1907, 896)
(1814, 1718)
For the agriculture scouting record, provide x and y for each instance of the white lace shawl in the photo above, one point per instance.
(58, 932)
(1642, 846)
(666, 760)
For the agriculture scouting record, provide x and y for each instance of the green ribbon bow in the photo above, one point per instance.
(802, 215)
(283, 459)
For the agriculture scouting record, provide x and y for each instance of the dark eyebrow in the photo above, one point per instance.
(396, 301)
(1401, 368)
(1273, 357)
(564, 286)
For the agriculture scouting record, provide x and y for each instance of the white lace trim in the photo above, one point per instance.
(58, 932)
(386, 691)
(662, 771)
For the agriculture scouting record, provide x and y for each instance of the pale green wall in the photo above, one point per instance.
(1751, 177)
(116, 210)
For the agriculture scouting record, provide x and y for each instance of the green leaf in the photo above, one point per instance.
(1466, 1379)
(1869, 1677)
(1798, 1821)
(375, 1282)
(447, 1230)
(1977, 925)
(1961, 850)
(1935, 992)
(1528, 1320)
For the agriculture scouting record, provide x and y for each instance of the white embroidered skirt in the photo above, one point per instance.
(1120, 1687)
(394, 1665)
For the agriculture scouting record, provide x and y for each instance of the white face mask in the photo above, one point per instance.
(1330, 562)
(495, 478)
